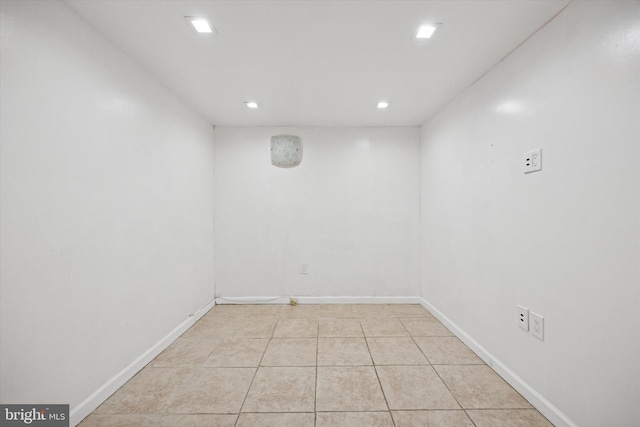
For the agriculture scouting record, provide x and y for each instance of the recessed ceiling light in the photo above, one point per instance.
(383, 104)
(201, 25)
(251, 104)
(425, 31)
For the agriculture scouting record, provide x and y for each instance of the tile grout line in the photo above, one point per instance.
(438, 374)
(256, 372)
(187, 381)
(315, 389)
(405, 328)
(419, 348)
(377, 376)
(467, 414)
(450, 392)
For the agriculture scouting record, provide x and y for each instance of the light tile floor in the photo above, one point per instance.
(317, 365)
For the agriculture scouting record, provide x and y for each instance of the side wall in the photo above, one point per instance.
(107, 207)
(350, 211)
(563, 242)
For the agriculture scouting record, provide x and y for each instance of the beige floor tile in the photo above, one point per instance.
(354, 419)
(236, 353)
(282, 389)
(184, 353)
(249, 328)
(220, 311)
(340, 328)
(231, 328)
(213, 390)
(414, 387)
(508, 418)
(209, 328)
(211, 373)
(395, 351)
(447, 351)
(408, 310)
(149, 391)
(197, 420)
(263, 310)
(240, 311)
(373, 310)
(277, 420)
(121, 420)
(431, 419)
(301, 311)
(296, 328)
(353, 388)
(282, 311)
(383, 327)
(343, 352)
(290, 352)
(425, 327)
(338, 311)
(243, 311)
(479, 387)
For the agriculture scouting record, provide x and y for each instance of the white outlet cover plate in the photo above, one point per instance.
(537, 325)
(532, 161)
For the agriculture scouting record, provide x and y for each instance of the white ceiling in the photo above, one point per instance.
(318, 63)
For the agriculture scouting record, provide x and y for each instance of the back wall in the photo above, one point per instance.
(350, 210)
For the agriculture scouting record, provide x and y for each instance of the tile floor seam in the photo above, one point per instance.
(315, 388)
(378, 377)
(434, 410)
(276, 412)
(174, 393)
(502, 409)
(532, 409)
(450, 392)
(429, 336)
(420, 348)
(404, 326)
(469, 416)
(255, 373)
(383, 393)
(382, 411)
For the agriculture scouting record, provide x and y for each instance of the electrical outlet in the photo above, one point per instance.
(532, 161)
(304, 268)
(523, 317)
(536, 160)
(537, 325)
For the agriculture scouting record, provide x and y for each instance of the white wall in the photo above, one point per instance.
(350, 210)
(107, 207)
(564, 241)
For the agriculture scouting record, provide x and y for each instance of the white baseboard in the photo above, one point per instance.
(84, 408)
(320, 300)
(546, 408)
